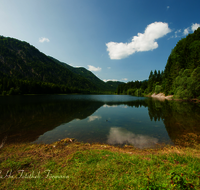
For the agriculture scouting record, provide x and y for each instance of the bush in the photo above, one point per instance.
(138, 92)
(131, 91)
(158, 89)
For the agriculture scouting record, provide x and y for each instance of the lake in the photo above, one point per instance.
(113, 119)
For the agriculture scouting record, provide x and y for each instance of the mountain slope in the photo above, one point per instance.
(81, 71)
(23, 61)
(20, 60)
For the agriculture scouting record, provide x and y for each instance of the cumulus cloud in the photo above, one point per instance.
(92, 68)
(195, 26)
(141, 42)
(119, 135)
(42, 40)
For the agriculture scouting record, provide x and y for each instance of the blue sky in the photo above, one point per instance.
(116, 39)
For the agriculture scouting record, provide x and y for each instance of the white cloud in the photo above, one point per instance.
(42, 40)
(186, 31)
(106, 80)
(94, 117)
(109, 67)
(73, 65)
(124, 79)
(141, 42)
(167, 7)
(92, 68)
(176, 34)
(195, 26)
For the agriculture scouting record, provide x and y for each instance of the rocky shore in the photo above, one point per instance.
(161, 96)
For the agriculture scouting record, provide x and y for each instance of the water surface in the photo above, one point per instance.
(113, 119)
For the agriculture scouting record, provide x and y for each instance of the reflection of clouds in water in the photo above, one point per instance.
(114, 106)
(107, 106)
(92, 118)
(123, 106)
(119, 135)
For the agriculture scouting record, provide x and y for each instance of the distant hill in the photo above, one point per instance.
(81, 71)
(20, 60)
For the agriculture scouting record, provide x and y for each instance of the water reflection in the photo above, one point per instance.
(180, 118)
(121, 136)
(90, 118)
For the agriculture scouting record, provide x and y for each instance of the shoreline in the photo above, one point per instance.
(161, 96)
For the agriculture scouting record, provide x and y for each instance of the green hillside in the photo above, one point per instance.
(81, 71)
(25, 69)
(23, 61)
(182, 71)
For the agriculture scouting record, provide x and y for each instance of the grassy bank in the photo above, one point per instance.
(97, 166)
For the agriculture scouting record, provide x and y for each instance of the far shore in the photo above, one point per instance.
(161, 96)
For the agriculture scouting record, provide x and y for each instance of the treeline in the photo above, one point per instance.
(140, 88)
(13, 86)
(181, 76)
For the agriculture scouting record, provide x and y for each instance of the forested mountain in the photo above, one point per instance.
(81, 71)
(181, 76)
(22, 67)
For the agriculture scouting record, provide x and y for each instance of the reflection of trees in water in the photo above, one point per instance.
(25, 122)
(180, 118)
(155, 110)
(135, 103)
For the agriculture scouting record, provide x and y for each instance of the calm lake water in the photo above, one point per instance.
(113, 119)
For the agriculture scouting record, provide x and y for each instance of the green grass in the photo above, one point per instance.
(97, 166)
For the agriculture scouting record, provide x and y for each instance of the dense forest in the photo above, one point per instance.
(181, 76)
(25, 70)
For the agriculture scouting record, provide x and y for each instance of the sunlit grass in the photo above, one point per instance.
(98, 166)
